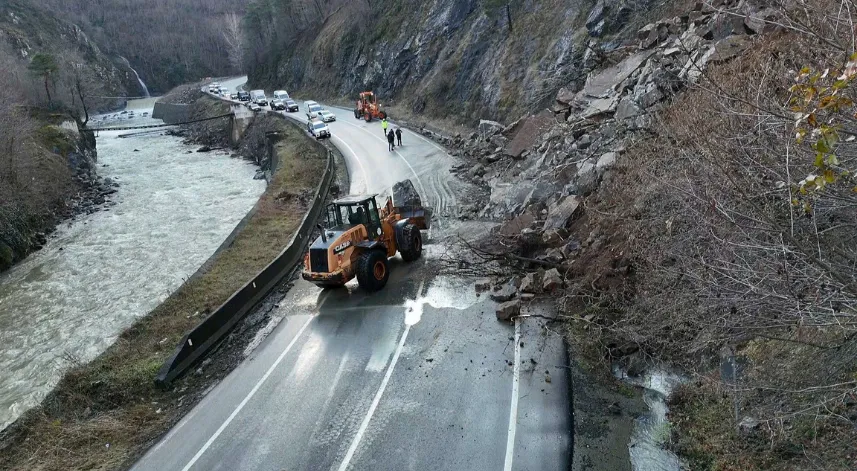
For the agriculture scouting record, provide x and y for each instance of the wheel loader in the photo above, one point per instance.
(358, 238)
(368, 107)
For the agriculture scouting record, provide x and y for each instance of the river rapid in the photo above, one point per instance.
(99, 273)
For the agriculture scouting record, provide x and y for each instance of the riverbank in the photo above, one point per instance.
(103, 414)
(36, 197)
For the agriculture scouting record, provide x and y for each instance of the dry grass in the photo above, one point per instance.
(105, 413)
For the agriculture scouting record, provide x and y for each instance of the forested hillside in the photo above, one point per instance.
(51, 73)
(169, 42)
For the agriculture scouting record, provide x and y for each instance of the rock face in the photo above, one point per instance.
(445, 57)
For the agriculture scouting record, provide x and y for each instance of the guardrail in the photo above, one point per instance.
(214, 328)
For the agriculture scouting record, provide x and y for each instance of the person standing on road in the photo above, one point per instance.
(399, 135)
(384, 125)
(391, 140)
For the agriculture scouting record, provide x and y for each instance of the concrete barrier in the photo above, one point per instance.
(214, 328)
(171, 113)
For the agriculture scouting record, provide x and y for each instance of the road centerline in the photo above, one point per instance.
(247, 398)
(377, 399)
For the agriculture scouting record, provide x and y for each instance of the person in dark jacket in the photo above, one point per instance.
(399, 135)
(391, 140)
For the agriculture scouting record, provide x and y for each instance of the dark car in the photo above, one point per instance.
(291, 105)
(243, 96)
(277, 104)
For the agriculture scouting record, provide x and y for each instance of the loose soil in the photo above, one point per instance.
(105, 414)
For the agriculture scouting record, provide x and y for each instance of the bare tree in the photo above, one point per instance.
(234, 37)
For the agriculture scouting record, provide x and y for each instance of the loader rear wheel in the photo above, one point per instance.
(412, 243)
(373, 270)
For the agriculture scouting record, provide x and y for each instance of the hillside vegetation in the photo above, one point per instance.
(169, 42)
(52, 73)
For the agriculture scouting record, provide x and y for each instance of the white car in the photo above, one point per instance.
(224, 91)
(312, 109)
(254, 107)
(318, 129)
(326, 116)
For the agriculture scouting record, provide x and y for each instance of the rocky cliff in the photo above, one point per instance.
(467, 59)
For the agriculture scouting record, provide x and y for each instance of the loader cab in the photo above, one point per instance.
(353, 211)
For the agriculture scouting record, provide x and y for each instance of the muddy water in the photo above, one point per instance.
(99, 273)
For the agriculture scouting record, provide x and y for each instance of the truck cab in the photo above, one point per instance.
(258, 97)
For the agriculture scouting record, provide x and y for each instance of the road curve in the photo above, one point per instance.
(418, 376)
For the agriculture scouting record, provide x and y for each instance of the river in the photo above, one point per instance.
(99, 273)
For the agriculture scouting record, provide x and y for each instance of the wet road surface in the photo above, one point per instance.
(418, 376)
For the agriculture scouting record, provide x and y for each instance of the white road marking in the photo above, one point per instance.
(377, 399)
(359, 162)
(513, 413)
(249, 396)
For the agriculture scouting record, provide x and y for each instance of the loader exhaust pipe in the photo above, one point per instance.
(323, 237)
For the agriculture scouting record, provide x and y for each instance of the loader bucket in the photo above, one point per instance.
(409, 204)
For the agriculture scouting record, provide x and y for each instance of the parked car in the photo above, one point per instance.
(281, 95)
(258, 97)
(233, 96)
(291, 106)
(318, 128)
(326, 116)
(277, 104)
(312, 109)
(224, 91)
(243, 96)
(254, 107)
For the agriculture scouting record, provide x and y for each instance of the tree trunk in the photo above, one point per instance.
(509, 16)
(48, 91)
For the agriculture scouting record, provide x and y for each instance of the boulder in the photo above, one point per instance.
(505, 294)
(515, 226)
(528, 134)
(645, 31)
(508, 310)
(606, 161)
(627, 108)
(531, 283)
(483, 285)
(552, 280)
(565, 96)
(561, 213)
(488, 128)
(729, 48)
(552, 238)
(601, 84)
(584, 142)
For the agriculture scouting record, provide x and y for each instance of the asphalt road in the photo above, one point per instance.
(418, 376)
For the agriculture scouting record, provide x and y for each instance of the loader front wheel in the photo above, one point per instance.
(373, 270)
(412, 243)
(356, 113)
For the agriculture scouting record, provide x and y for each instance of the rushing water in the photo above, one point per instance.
(652, 430)
(99, 273)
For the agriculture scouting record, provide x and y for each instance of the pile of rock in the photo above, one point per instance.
(538, 169)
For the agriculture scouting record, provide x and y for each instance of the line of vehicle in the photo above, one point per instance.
(513, 412)
(377, 399)
(247, 398)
